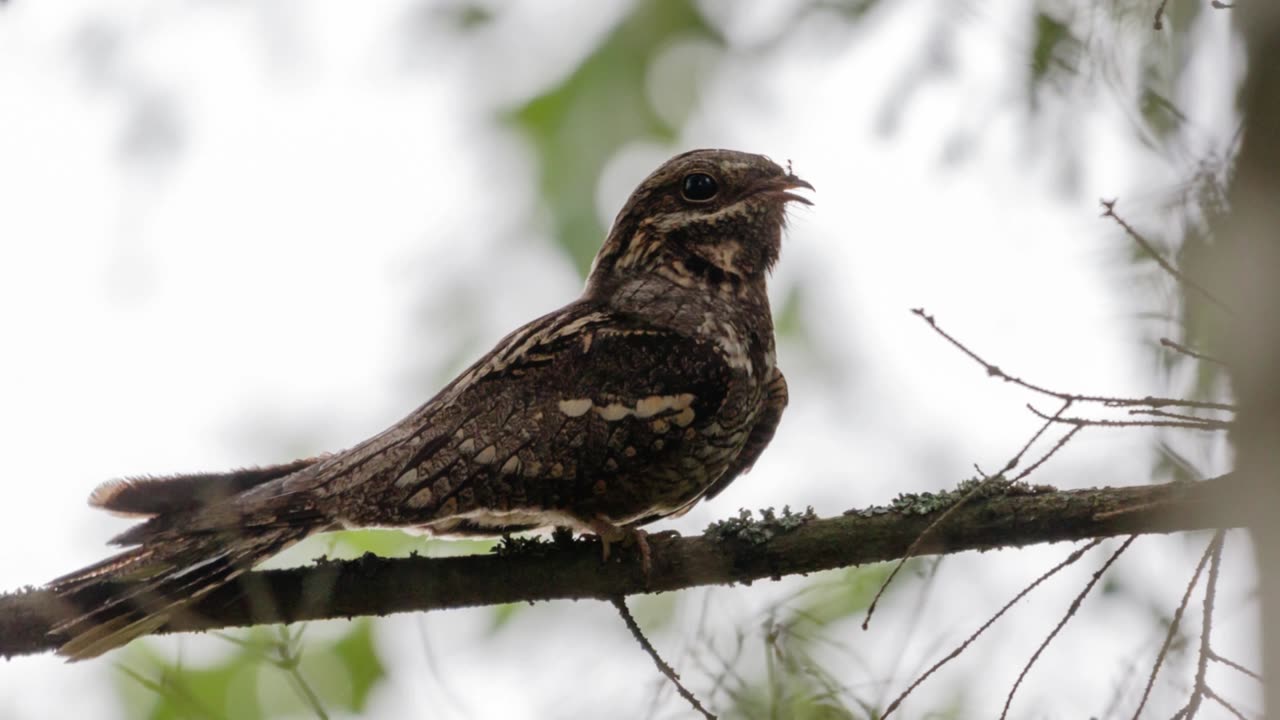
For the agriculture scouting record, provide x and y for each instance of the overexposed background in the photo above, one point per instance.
(236, 233)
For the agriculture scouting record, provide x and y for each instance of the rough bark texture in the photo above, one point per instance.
(733, 554)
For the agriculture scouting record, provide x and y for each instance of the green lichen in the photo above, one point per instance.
(927, 503)
(534, 545)
(745, 528)
(522, 546)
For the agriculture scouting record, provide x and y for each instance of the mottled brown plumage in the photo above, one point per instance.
(654, 389)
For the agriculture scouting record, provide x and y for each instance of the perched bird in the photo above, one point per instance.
(654, 389)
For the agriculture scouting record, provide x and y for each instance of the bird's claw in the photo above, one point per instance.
(610, 533)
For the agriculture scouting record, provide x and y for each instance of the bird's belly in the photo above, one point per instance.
(493, 523)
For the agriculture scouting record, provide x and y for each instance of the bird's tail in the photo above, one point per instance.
(193, 543)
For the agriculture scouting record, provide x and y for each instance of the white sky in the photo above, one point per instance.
(296, 272)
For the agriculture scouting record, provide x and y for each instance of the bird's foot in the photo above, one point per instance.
(627, 535)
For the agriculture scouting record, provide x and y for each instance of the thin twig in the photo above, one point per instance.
(1072, 558)
(1199, 424)
(1234, 665)
(1158, 402)
(1201, 687)
(1173, 628)
(992, 370)
(1109, 210)
(1071, 611)
(1206, 623)
(621, 604)
(1109, 401)
(984, 485)
(1178, 347)
(1158, 24)
(1062, 441)
(1167, 414)
(1209, 693)
(1017, 458)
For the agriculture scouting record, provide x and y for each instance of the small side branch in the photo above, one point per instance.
(997, 483)
(621, 604)
(1071, 612)
(1071, 559)
(1180, 348)
(1173, 625)
(1109, 211)
(1104, 400)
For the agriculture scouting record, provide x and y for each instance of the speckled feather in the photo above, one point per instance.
(654, 389)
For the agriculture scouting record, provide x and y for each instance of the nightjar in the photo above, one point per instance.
(654, 389)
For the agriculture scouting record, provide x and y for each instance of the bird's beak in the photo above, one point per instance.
(779, 187)
(791, 182)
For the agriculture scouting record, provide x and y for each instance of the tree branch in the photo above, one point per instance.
(379, 586)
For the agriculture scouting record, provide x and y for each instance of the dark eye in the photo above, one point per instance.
(699, 187)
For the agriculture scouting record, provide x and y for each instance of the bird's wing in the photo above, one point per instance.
(583, 414)
(761, 433)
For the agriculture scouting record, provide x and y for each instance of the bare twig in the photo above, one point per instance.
(1173, 627)
(981, 487)
(1167, 414)
(1108, 210)
(1017, 458)
(1106, 400)
(1234, 665)
(1071, 611)
(1062, 441)
(992, 370)
(621, 604)
(1178, 347)
(1158, 24)
(1198, 424)
(1072, 558)
(1209, 693)
(1206, 629)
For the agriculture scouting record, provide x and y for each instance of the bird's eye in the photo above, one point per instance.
(699, 187)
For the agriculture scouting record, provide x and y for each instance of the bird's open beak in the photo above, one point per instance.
(791, 182)
(780, 187)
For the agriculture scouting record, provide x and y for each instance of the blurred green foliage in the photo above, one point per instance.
(576, 126)
(1054, 50)
(270, 673)
(807, 656)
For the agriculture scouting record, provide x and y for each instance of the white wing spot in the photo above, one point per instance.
(487, 455)
(576, 407)
(467, 446)
(655, 404)
(409, 478)
(652, 405)
(422, 498)
(511, 466)
(613, 411)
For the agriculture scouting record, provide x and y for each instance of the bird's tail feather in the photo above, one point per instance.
(138, 591)
(200, 532)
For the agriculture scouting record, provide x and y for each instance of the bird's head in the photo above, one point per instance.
(713, 215)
